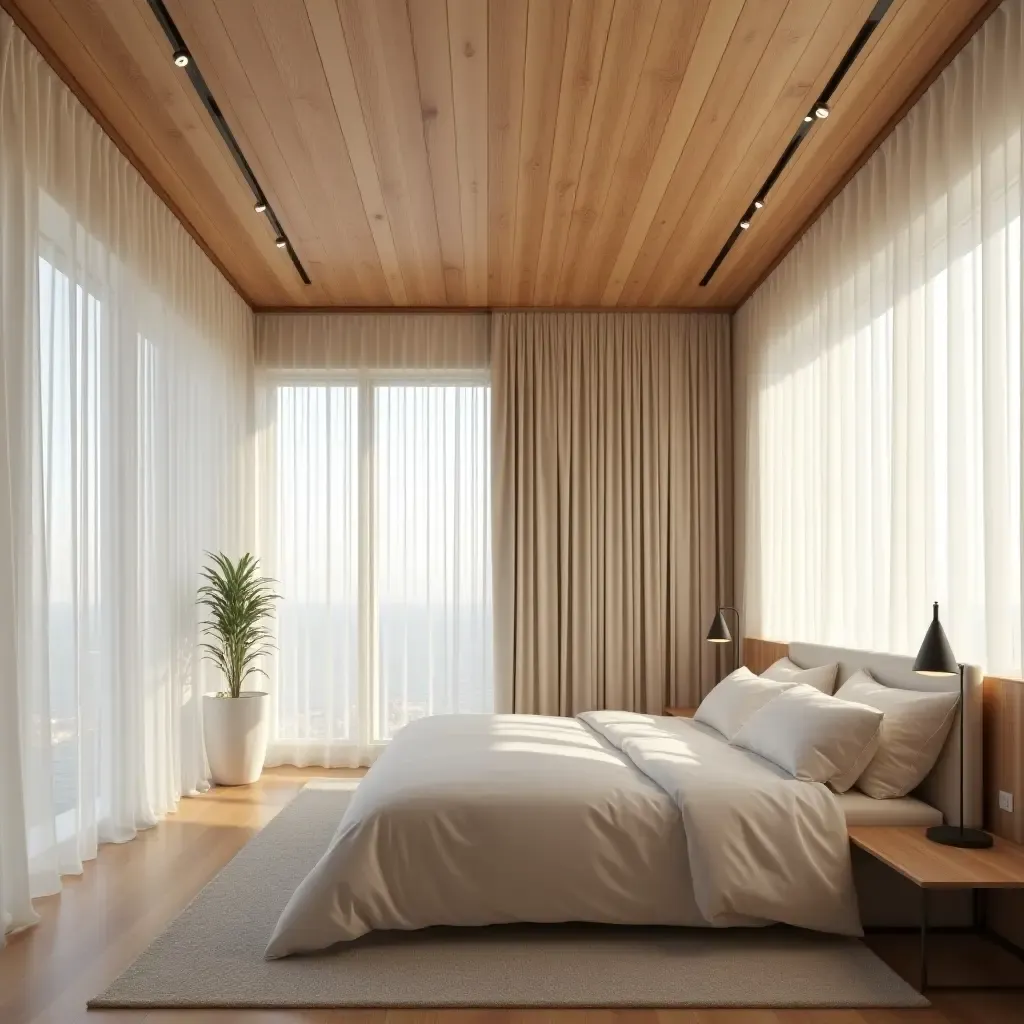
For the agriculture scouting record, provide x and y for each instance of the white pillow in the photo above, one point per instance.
(813, 736)
(735, 699)
(913, 731)
(821, 678)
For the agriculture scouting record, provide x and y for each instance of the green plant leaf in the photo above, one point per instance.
(238, 600)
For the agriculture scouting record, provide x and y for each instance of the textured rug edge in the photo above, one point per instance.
(108, 999)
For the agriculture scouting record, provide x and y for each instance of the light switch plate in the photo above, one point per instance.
(1005, 801)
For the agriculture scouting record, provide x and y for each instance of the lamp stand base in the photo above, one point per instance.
(955, 835)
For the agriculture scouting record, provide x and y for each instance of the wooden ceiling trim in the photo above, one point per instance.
(506, 62)
(334, 58)
(585, 48)
(802, 55)
(629, 39)
(957, 45)
(712, 40)
(668, 59)
(189, 221)
(477, 310)
(756, 24)
(467, 44)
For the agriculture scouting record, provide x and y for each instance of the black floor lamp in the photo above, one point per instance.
(935, 658)
(719, 631)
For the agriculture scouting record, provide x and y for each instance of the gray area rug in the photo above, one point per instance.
(212, 954)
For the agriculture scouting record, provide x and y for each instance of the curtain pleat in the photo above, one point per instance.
(612, 508)
(879, 387)
(125, 367)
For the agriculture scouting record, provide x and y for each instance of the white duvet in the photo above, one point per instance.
(611, 817)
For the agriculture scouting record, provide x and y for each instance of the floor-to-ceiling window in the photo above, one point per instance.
(376, 524)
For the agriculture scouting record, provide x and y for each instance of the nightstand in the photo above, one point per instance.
(933, 866)
(680, 712)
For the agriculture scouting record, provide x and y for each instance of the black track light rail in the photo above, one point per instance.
(195, 76)
(878, 12)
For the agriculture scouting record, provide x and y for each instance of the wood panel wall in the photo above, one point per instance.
(760, 654)
(1004, 770)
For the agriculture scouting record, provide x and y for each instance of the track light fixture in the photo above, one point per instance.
(181, 58)
(261, 206)
(280, 241)
(803, 129)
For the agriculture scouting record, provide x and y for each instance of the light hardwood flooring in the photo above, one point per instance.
(104, 919)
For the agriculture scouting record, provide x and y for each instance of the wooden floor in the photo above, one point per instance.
(103, 920)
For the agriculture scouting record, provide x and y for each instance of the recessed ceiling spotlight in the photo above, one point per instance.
(808, 118)
(181, 58)
(821, 111)
(261, 206)
(280, 241)
(758, 204)
(744, 224)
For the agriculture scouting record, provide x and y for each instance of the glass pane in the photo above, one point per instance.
(317, 563)
(432, 546)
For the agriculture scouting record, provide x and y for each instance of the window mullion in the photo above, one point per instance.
(368, 615)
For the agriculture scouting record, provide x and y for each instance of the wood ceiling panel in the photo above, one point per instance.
(629, 38)
(496, 152)
(751, 34)
(806, 46)
(912, 40)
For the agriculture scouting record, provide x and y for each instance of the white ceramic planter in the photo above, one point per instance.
(235, 730)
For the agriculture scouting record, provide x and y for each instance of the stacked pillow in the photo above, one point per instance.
(814, 737)
(728, 706)
(915, 725)
(821, 678)
(882, 739)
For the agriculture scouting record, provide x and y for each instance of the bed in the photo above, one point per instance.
(609, 817)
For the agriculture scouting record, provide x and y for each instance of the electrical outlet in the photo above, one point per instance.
(1005, 801)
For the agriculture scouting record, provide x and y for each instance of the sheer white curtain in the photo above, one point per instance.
(373, 499)
(879, 371)
(125, 368)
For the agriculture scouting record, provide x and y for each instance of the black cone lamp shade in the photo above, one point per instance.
(935, 658)
(719, 631)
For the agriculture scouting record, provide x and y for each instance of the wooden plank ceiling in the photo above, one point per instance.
(516, 152)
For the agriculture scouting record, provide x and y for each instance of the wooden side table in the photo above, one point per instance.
(933, 866)
(680, 712)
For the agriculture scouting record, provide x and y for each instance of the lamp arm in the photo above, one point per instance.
(739, 634)
(963, 714)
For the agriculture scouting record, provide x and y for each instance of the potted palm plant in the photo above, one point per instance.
(235, 721)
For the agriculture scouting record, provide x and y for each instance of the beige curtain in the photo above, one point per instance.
(612, 508)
